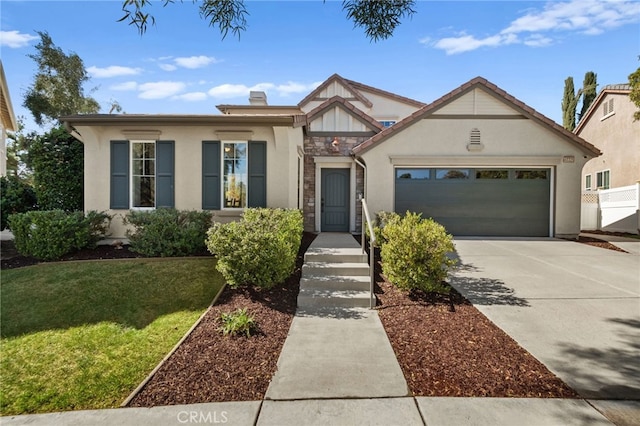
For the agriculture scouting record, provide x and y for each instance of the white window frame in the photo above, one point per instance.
(223, 175)
(132, 175)
(602, 172)
(588, 182)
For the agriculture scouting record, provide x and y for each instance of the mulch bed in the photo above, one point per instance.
(599, 243)
(446, 347)
(442, 353)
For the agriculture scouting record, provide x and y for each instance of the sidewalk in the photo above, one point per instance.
(337, 367)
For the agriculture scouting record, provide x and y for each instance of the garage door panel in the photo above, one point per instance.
(500, 207)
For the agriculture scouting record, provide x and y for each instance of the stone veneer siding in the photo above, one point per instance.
(320, 146)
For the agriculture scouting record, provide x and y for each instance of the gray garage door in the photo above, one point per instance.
(480, 202)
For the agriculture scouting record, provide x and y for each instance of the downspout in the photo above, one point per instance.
(364, 168)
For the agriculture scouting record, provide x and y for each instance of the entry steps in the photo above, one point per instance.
(334, 277)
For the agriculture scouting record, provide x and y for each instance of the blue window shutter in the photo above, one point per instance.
(165, 171)
(211, 175)
(257, 174)
(119, 190)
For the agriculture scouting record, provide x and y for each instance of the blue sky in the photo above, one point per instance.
(181, 65)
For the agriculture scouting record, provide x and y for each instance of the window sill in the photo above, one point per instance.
(607, 116)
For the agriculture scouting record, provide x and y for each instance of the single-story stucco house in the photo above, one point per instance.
(478, 160)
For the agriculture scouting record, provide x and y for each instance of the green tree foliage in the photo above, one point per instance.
(57, 159)
(571, 98)
(16, 196)
(569, 105)
(634, 81)
(379, 18)
(589, 92)
(57, 87)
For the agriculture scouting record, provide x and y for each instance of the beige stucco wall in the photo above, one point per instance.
(618, 137)
(507, 143)
(282, 165)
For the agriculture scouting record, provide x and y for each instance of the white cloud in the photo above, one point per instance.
(537, 27)
(238, 90)
(465, 43)
(112, 71)
(160, 89)
(193, 62)
(15, 39)
(192, 96)
(190, 62)
(168, 67)
(126, 86)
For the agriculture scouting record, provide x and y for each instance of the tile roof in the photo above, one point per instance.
(386, 94)
(429, 109)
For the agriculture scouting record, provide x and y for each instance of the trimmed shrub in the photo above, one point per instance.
(381, 220)
(168, 232)
(260, 249)
(16, 196)
(49, 235)
(414, 255)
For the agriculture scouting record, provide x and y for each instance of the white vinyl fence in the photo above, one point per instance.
(616, 210)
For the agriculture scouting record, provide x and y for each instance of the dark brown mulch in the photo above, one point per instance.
(211, 367)
(459, 353)
(599, 243)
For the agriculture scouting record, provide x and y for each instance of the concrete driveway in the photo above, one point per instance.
(576, 308)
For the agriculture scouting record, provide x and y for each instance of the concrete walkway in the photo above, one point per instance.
(337, 368)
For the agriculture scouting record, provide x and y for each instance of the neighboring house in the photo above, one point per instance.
(609, 125)
(7, 120)
(611, 182)
(478, 160)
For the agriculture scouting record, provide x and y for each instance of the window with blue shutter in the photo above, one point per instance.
(234, 174)
(119, 191)
(257, 174)
(142, 174)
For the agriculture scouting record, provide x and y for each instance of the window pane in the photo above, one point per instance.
(150, 167)
(138, 149)
(531, 174)
(137, 167)
(144, 191)
(150, 150)
(492, 174)
(235, 175)
(452, 174)
(413, 173)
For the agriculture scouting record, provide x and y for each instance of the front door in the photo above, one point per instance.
(335, 200)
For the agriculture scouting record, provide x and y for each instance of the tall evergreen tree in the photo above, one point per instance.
(569, 105)
(589, 92)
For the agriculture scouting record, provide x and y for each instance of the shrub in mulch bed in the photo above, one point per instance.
(460, 352)
(211, 367)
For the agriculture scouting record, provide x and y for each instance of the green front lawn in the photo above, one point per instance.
(83, 335)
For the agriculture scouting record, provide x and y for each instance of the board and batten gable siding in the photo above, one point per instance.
(120, 175)
(337, 119)
(476, 102)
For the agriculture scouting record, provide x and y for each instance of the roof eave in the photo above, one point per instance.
(203, 120)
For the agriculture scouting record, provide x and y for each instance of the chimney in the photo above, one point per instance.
(257, 98)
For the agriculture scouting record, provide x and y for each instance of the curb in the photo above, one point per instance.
(144, 382)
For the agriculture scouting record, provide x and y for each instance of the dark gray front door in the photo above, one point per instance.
(335, 200)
